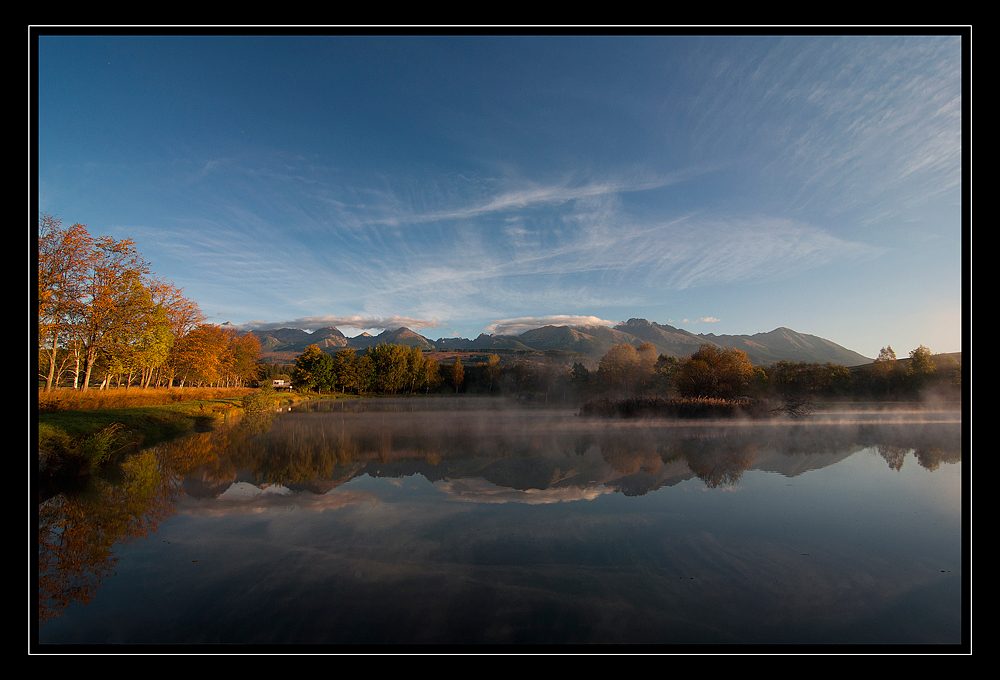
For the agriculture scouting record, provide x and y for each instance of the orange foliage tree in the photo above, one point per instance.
(65, 256)
(714, 372)
(99, 306)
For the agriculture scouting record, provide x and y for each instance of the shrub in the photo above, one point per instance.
(264, 399)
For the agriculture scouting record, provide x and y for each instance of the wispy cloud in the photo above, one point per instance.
(586, 249)
(533, 195)
(853, 124)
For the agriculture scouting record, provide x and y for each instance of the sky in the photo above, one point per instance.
(461, 184)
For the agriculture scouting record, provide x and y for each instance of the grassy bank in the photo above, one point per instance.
(78, 431)
(74, 400)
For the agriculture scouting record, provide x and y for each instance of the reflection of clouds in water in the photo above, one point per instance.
(482, 491)
(245, 490)
(243, 498)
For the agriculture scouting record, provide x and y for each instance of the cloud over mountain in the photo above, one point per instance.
(522, 324)
(356, 322)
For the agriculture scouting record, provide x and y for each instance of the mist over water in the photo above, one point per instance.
(478, 521)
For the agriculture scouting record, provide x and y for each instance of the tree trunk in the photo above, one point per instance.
(52, 364)
(88, 366)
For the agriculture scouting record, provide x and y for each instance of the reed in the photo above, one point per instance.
(681, 407)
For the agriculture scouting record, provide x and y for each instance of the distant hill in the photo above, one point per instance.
(667, 339)
(484, 341)
(399, 336)
(784, 344)
(763, 349)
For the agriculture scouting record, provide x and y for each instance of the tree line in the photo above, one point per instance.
(721, 373)
(102, 315)
(383, 369)
(625, 371)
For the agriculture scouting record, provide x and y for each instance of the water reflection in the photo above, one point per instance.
(325, 444)
(331, 458)
(79, 533)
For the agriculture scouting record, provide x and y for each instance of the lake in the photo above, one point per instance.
(444, 521)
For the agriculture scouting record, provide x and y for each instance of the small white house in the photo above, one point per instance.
(281, 384)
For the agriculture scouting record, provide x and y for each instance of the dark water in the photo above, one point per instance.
(449, 522)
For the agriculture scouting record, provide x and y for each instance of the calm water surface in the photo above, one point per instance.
(443, 521)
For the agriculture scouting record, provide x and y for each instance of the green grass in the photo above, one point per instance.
(98, 433)
(89, 427)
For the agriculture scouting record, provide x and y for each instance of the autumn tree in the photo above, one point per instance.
(343, 369)
(65, 258)
(457, 374)
(364, 374)
(884, 370)
(625, 368)
(415, 369)
(182, 316)
(647, 357)
(431, 374)
(886, 361)
(97, 306)
(714, 372)
(492, 370)
(240, 358)
(115, 297)
(198, 355)
(138, 348)
(392, 367)
(921, 367)
(308, 371)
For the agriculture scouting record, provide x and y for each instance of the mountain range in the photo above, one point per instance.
(763, 349)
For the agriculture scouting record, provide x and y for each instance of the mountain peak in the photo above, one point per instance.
(763, 349)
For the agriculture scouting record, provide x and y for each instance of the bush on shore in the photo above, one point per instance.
(264, 399)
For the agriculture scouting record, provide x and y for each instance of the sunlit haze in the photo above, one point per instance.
(458, 185)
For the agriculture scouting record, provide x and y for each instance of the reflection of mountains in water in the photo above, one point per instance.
(554, 455)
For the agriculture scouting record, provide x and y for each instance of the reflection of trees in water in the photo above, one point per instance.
(929, 458)
(78, 533)
(718, 462)
(930, 444)
(257, 422)
(720, 456)
(893, 455)
(303, 447)
(629, 455)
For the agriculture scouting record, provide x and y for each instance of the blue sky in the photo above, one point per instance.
(463, 184)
